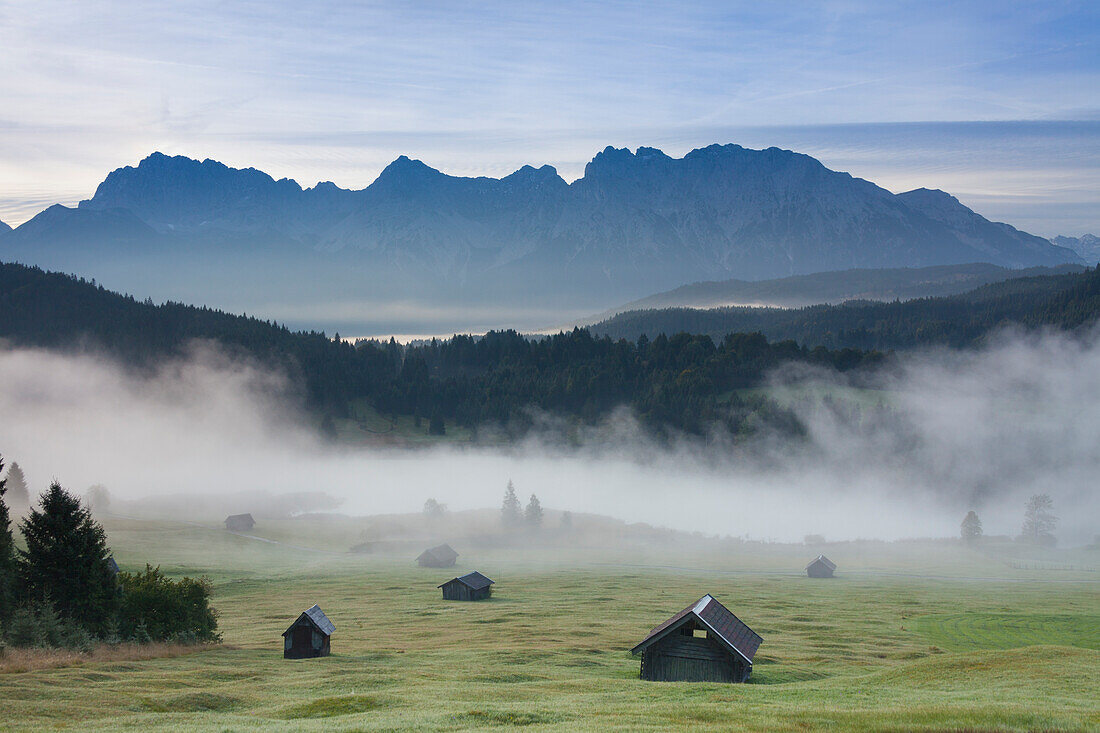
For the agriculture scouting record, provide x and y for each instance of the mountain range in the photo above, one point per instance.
(1087, 246)
(634, 223)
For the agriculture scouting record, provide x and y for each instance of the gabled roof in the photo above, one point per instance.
(317, 617)
(112, 565)
(440, 552)
(726, 627)
(240, 516)
(474, 581)
(824, 561)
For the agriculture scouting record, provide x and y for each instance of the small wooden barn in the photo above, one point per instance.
(239, 522)
(470, 587)
(112, 566)
(308, 636)
(821, 567)
(441, 556)
(704, 642)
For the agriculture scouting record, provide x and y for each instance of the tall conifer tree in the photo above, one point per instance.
(65, 562)
(7, 554)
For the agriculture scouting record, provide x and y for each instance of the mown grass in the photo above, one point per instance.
(878, 648)
(971, 631)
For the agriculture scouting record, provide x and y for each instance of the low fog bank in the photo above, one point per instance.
(940, 434)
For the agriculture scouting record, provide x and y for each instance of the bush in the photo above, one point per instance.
(38, 625)
(157, 608)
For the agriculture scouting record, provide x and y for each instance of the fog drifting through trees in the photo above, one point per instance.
(964, 430)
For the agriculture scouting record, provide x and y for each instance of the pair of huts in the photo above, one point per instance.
(470, 587)
(309, 635)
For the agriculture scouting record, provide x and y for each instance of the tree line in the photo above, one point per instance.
(63, 588)
(689, 381)
(681, 382)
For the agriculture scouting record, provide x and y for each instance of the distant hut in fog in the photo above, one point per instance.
(704, 642)
(442, 556)
(821, 567)
(239, 522)
(470, 587)
(308, 636)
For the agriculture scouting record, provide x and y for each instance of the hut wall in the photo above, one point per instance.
(305, 641)
(819, 570)
(455, 591)
(683, 658)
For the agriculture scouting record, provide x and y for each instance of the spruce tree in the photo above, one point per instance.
(510, 514)
(65, 562)
(7, 556)
(971, 528)
(533, 513)
(19, 497)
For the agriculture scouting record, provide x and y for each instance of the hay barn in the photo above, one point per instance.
(704, 642)
(239, 522)
(441, 556)
(308, 636)
(820, 567)
(470, 587)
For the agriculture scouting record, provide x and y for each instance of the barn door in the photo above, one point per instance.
(303, 638)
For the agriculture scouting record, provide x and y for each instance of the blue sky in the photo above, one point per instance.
(997, 102)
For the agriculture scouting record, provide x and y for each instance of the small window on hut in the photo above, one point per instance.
(699, 633)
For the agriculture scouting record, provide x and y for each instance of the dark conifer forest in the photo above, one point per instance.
(681, 378)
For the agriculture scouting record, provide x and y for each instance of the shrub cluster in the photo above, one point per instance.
(62, 591)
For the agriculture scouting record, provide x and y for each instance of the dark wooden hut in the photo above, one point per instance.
(442, 556)
(703, 643)
(821, 567)
(239, 522)
(470, 587)
(112, 566)
(308, 636)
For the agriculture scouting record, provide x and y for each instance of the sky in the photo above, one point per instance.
(997, 102)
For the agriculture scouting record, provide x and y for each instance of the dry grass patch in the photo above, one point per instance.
(32, 659)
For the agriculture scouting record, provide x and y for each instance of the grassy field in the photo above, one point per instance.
(908, 636)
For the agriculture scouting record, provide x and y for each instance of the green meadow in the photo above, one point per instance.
(909, 636)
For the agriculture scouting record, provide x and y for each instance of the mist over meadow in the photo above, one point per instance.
(937, 433)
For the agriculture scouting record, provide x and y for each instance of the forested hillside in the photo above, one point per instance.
(672, 380)
(1062, 301)
(682, 382)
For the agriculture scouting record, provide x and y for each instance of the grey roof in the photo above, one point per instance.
(240, 516)
(727, 628)
(440, 552)
(317, 617)
(824, 561)
(474, 580)
(112, 565)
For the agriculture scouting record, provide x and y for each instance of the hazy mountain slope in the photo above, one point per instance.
(836, 287)
(1064, 301)
(4, 228)
(1087, 246)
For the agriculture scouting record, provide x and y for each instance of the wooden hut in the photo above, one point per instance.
(112, 566)
(703, 643)
(441, 556)
(470, 587)
(308, 636)
(821, 567)
(239, 522)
